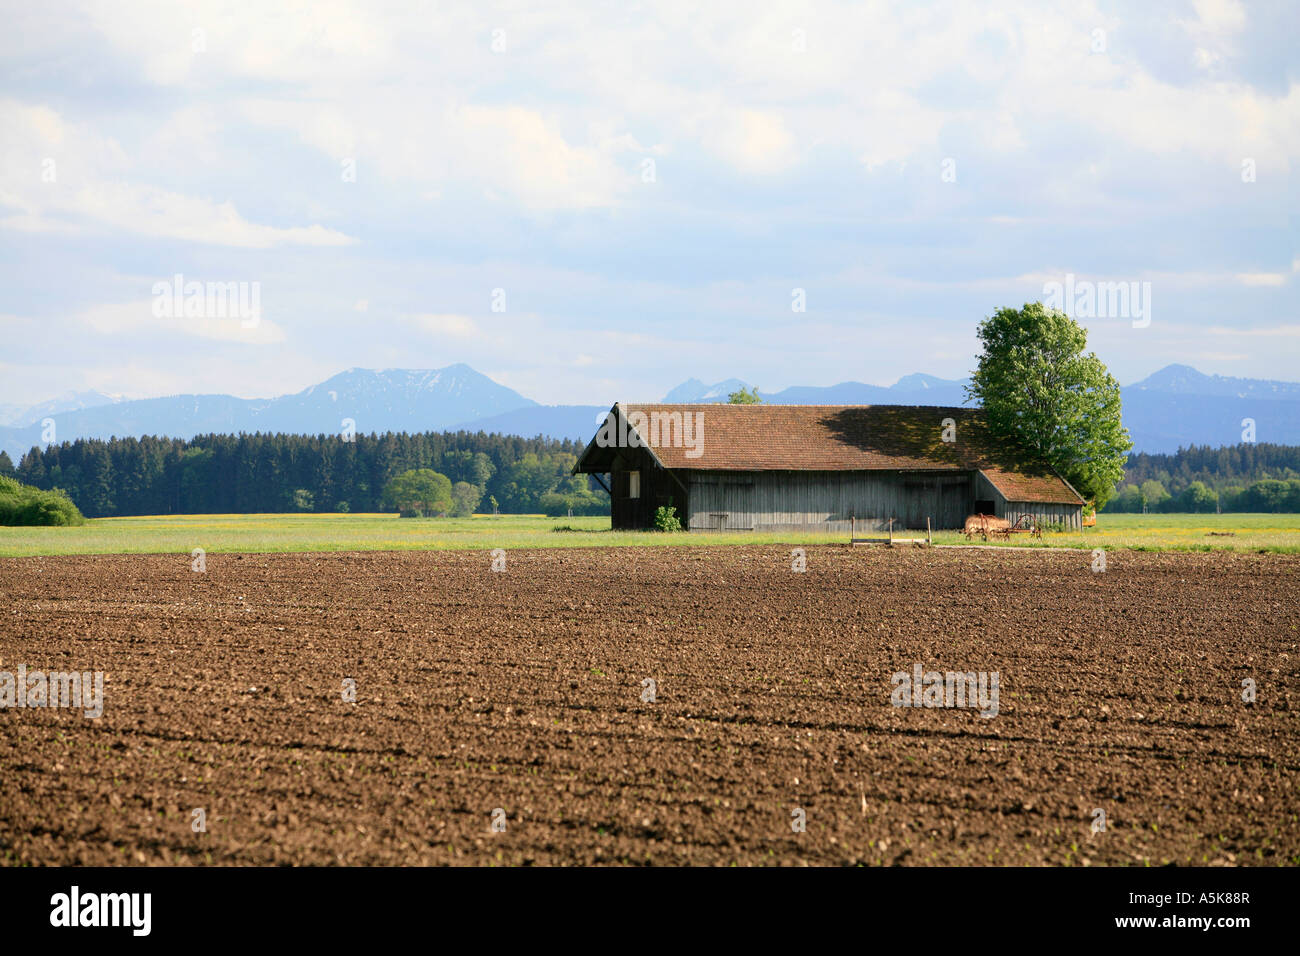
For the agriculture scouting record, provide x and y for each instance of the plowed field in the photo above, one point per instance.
(522, 691)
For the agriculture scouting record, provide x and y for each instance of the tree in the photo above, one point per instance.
(419, 492)
(1269, 495)
(6, 465)
(526, 480)
(1232, 498)
(1196, 498)
(464, 465)
(1154, 495)
(557, 504)
(744, 396)
(1130, 500)
(303, 500)
(465, 497)
(32, 470)
(1039, 388)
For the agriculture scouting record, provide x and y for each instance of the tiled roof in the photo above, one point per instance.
(845, 438)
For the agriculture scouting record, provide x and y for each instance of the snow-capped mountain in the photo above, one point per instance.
(1174, 407)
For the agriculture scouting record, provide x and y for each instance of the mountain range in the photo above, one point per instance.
(1175, 407)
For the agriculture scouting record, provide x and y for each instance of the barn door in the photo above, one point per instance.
(723, 503)
(953, 511)
(738, 496)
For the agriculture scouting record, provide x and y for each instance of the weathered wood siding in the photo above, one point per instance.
(1070, 516)
(811, 501)
(826, 501)
(658, 488)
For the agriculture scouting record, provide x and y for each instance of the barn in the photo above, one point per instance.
(817, 468)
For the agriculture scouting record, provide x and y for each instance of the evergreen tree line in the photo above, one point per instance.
(215, 474)
(1245, 477)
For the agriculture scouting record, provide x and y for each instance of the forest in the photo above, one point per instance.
(250, 474)
(1243, 478)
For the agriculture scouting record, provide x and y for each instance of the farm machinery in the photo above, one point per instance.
(987, 526)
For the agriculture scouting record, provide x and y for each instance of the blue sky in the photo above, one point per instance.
(648, 184)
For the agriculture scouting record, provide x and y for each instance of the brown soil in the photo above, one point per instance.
(522, 691)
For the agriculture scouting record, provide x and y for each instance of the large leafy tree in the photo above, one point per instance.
(1039, 387)
(466, 498)
(420, 491)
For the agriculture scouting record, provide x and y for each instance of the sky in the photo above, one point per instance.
(590, 202)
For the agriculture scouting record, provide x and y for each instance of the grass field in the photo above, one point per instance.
(1175, 532)
(381, 532)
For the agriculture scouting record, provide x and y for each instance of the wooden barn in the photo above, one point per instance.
(817, 468)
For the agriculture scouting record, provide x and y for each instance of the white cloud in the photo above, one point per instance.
(416, 93)
(124, 318)
(755, 141)
(1069, 154)
(521, 151)
(162, 214)
(1272, 332)
(1262, 278)
(1219, 16)
(454, 326)
(1206, 58)
(66, 179)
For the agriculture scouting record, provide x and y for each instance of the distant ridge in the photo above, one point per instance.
(1174, 407)
(378, 400)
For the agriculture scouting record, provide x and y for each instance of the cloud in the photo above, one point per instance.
(780, 164)
(1262, 278)
(65, 179)
(161, 214)
(453, 326)
(520, 151)
(1272, 332)
(1217, 16)
(134, 318)
(755, 141)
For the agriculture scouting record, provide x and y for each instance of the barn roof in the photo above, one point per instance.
(834, 438)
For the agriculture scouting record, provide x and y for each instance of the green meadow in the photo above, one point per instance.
(1169, 532)
(181, 534)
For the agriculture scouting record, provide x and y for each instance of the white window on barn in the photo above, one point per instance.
(634, 484)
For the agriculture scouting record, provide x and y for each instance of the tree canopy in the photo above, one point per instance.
(466, 497)
(1039, 387)
(420, 491)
